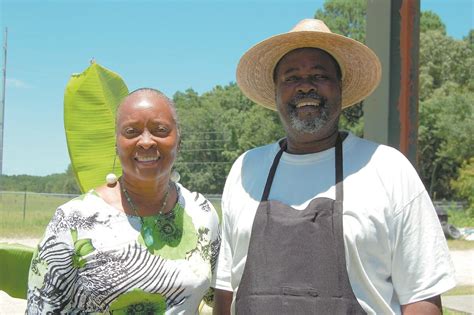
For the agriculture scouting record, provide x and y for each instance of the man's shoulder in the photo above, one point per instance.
(376, 150)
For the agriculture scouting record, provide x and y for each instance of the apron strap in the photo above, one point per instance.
(338, 164)
(337, 214)
(339, 168)
(271, 174)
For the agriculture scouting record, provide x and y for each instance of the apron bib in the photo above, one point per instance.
(295, 262)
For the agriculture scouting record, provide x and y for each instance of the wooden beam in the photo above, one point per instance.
(391, 113)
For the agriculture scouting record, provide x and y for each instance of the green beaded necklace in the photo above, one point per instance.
(147, 230)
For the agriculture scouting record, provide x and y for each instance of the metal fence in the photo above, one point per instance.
(25, 214)
(26, 202)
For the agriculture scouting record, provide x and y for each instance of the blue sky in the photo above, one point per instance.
(169, 45)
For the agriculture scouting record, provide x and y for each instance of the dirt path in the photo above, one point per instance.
(462, 263)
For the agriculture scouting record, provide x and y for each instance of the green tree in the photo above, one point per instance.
(216, 128)
(444, 60)
(464, 184)
(445, 138)
(446, 107)
(62, 183)
(470, 39)
(69, 185)
(344, 17)
(430, 21)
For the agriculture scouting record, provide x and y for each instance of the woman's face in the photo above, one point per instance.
(147, 136)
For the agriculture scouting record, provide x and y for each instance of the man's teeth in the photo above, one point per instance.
(312, 103)
(146, 158)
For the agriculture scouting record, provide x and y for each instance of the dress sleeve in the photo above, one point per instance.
(53, 269)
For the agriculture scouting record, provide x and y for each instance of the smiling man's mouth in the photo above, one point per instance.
(312, 102)
(312, 99)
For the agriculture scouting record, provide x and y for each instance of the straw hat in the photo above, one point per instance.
(360, 67)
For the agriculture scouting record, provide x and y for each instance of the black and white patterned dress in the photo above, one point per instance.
(92, 259)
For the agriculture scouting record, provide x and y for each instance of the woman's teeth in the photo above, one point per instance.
(147, 158)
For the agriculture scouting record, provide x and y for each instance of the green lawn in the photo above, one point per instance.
(28, 217)
(20, 217)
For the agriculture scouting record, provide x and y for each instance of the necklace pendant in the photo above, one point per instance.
(147, 233)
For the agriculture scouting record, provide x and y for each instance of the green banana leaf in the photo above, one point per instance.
(14, 265)
(90, 101)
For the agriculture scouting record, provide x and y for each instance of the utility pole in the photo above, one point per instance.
(2, 111)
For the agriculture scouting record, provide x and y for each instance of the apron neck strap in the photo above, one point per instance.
(339, 168)
(271, 174)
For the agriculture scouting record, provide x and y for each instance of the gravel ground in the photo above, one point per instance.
(462, 264)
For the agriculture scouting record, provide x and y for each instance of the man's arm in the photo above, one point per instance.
(222, 302)
(431, 306)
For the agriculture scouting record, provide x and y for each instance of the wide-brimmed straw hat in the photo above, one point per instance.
(360, 67)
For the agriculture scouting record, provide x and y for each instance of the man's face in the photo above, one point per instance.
(308, 93)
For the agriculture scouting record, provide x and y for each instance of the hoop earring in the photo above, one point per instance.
(111, 178)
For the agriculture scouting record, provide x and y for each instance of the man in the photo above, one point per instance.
(324, 222)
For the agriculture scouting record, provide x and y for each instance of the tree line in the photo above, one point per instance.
(62, 183)
(221, 124)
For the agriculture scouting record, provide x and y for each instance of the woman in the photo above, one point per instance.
(142, 245)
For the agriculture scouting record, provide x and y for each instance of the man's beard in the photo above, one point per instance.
(308, 125)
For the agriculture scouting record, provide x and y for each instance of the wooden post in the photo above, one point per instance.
(24, 205)
(391, 112)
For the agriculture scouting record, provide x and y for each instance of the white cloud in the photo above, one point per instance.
(15, 83)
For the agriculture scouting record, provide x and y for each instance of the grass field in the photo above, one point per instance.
(28, 216)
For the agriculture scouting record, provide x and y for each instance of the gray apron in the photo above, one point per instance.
(295, 262)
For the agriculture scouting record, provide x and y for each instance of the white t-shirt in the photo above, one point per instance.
(395, 249)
